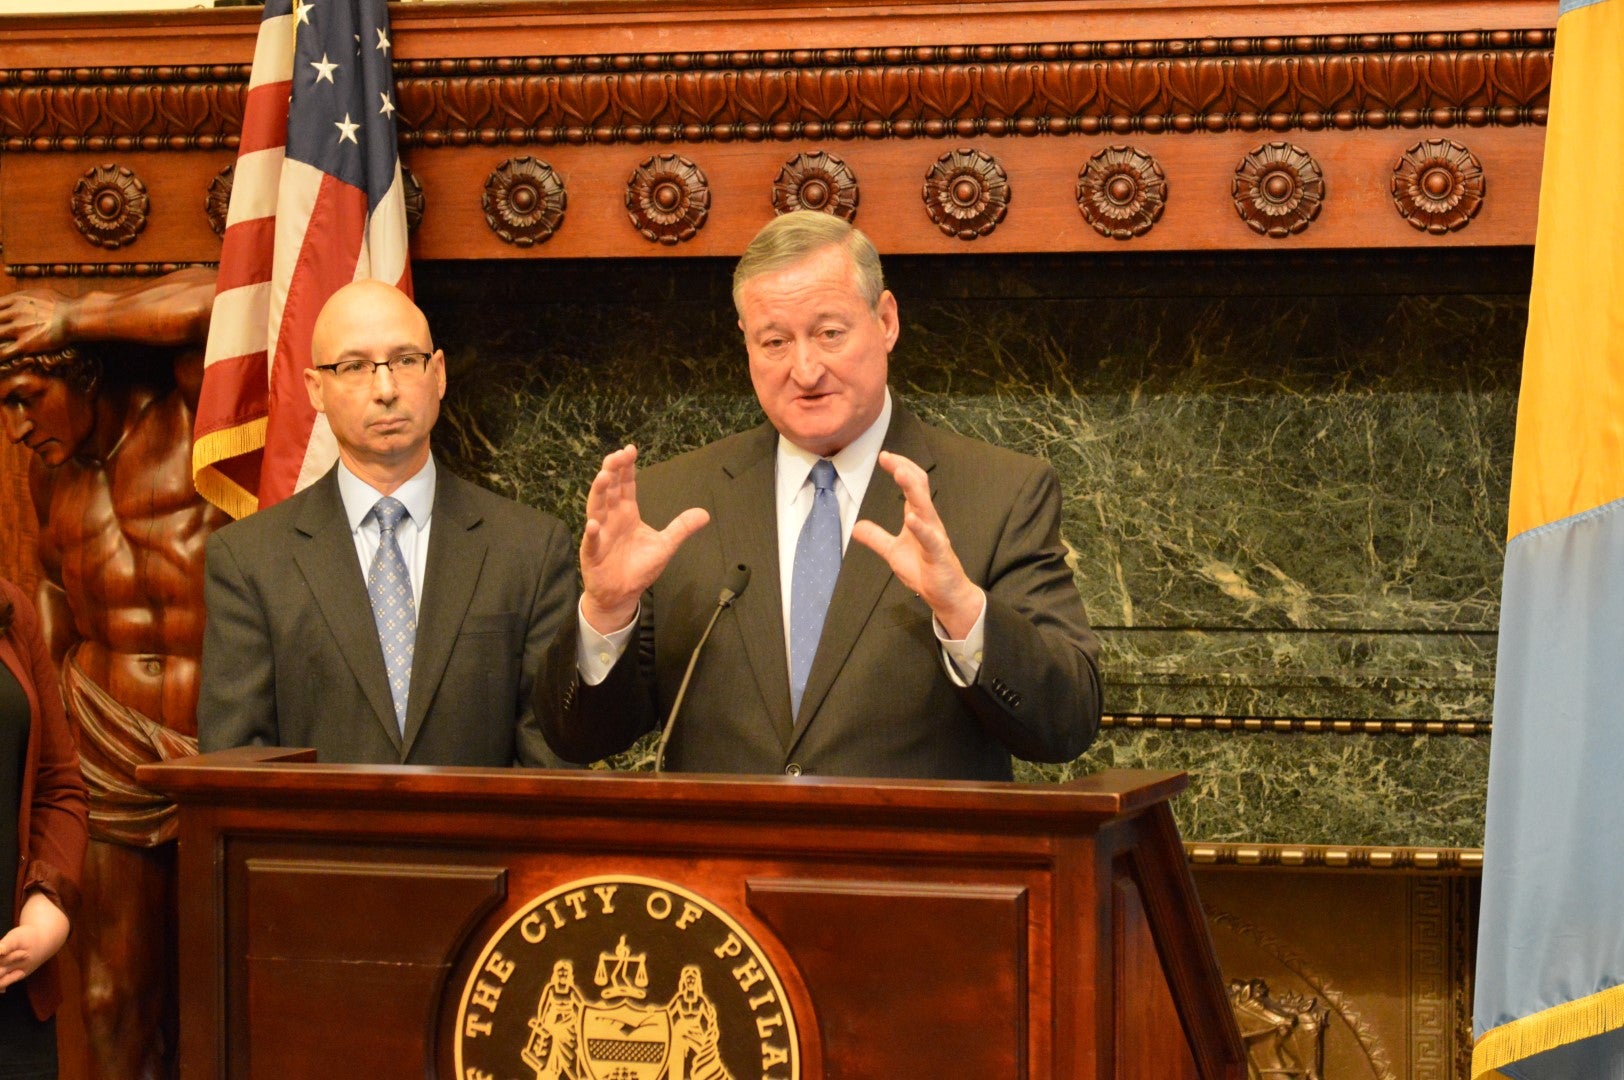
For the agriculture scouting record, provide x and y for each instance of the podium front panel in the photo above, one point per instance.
(478, 924)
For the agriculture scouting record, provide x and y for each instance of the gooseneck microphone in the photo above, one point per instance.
(737, 579)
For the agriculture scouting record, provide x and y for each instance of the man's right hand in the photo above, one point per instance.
(621, 555)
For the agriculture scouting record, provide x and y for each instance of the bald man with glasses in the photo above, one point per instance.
(390, 613)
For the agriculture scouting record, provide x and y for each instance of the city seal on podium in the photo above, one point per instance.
(624, 978)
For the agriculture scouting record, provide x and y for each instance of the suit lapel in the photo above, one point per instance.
(750, 536)
(863, 574)
(456, 556)
(331, 572)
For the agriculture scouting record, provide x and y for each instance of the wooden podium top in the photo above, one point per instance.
(270, 776)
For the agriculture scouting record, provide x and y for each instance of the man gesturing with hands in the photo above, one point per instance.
(948, 638)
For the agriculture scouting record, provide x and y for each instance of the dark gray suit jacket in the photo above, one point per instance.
(878, 702)
(291, 654)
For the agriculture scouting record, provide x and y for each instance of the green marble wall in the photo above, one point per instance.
(1285, 479)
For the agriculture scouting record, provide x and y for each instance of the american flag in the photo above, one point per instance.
(316, 202)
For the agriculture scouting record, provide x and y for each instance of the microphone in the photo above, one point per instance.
(737, 579)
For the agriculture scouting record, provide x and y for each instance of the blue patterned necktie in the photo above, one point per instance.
(817, 565)
(390, 587)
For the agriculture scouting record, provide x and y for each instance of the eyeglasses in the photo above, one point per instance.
(410, 365)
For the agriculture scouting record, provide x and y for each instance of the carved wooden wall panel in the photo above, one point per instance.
(598, 89)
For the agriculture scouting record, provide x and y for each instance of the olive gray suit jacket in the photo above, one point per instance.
(878, 701)
(291, 654)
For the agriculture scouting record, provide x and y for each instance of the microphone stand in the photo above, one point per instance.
(737, 580)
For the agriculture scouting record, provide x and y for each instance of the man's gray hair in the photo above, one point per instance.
(793, 237)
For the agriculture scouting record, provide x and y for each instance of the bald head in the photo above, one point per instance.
(380, 411)
(375, 301)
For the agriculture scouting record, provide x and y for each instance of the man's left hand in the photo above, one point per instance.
(921, 555)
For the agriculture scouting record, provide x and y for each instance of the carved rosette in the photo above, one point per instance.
(1121, 192)
(668, 199)
(416, 201)
(1438, 186)
(966, 193)
(110, 206)
(218, 201)
(1278, 189)
(816, 181)
(524, 201)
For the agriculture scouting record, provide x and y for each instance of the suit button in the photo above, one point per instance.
(792, 769)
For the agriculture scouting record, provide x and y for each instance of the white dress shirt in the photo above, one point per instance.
(854, 468)
(412, 534)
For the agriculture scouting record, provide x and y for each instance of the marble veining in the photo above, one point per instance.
(1285, 480)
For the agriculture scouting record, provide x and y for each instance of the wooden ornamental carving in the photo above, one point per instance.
(1344, 82)
(966, 193)
(524, 201)
(816, 181)
(668, 199)
(1438, 186)
(1121, 192)
(1278, 189)
(110, 206)
(217, 204)
(848, 102)
(416, 201)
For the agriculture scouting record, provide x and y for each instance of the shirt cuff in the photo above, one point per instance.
(41, 877)
(595, 653)
(962, 659)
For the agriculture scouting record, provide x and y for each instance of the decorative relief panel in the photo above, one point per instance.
(1342, 82)
(668, 199)
(110, 206)
(1438, 186)
(1121, 192)
(1442, 943)
(816, 181)
(524, 201)
(1284, 1033)
(1278, 189)
(1340, 1005)
(966, 193)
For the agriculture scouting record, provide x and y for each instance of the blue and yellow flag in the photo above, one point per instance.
(1550, 967)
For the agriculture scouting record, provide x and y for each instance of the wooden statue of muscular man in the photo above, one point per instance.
(121, 539)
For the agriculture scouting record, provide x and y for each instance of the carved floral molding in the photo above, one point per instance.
(1341, 82)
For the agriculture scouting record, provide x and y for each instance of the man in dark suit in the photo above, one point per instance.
(390, 613)
(947, 638)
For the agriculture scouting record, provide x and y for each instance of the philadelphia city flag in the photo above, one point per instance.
(1549, 1000)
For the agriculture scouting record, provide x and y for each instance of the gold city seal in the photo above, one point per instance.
(624, 978)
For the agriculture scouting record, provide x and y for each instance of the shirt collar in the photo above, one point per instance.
(854, 465)
(359, 496)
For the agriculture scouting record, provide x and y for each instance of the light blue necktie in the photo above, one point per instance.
(817, 565)
(390, 587)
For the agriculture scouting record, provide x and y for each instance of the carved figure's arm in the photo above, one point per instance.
(171, 310)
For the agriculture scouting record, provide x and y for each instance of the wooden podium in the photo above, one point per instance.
(470, 923)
